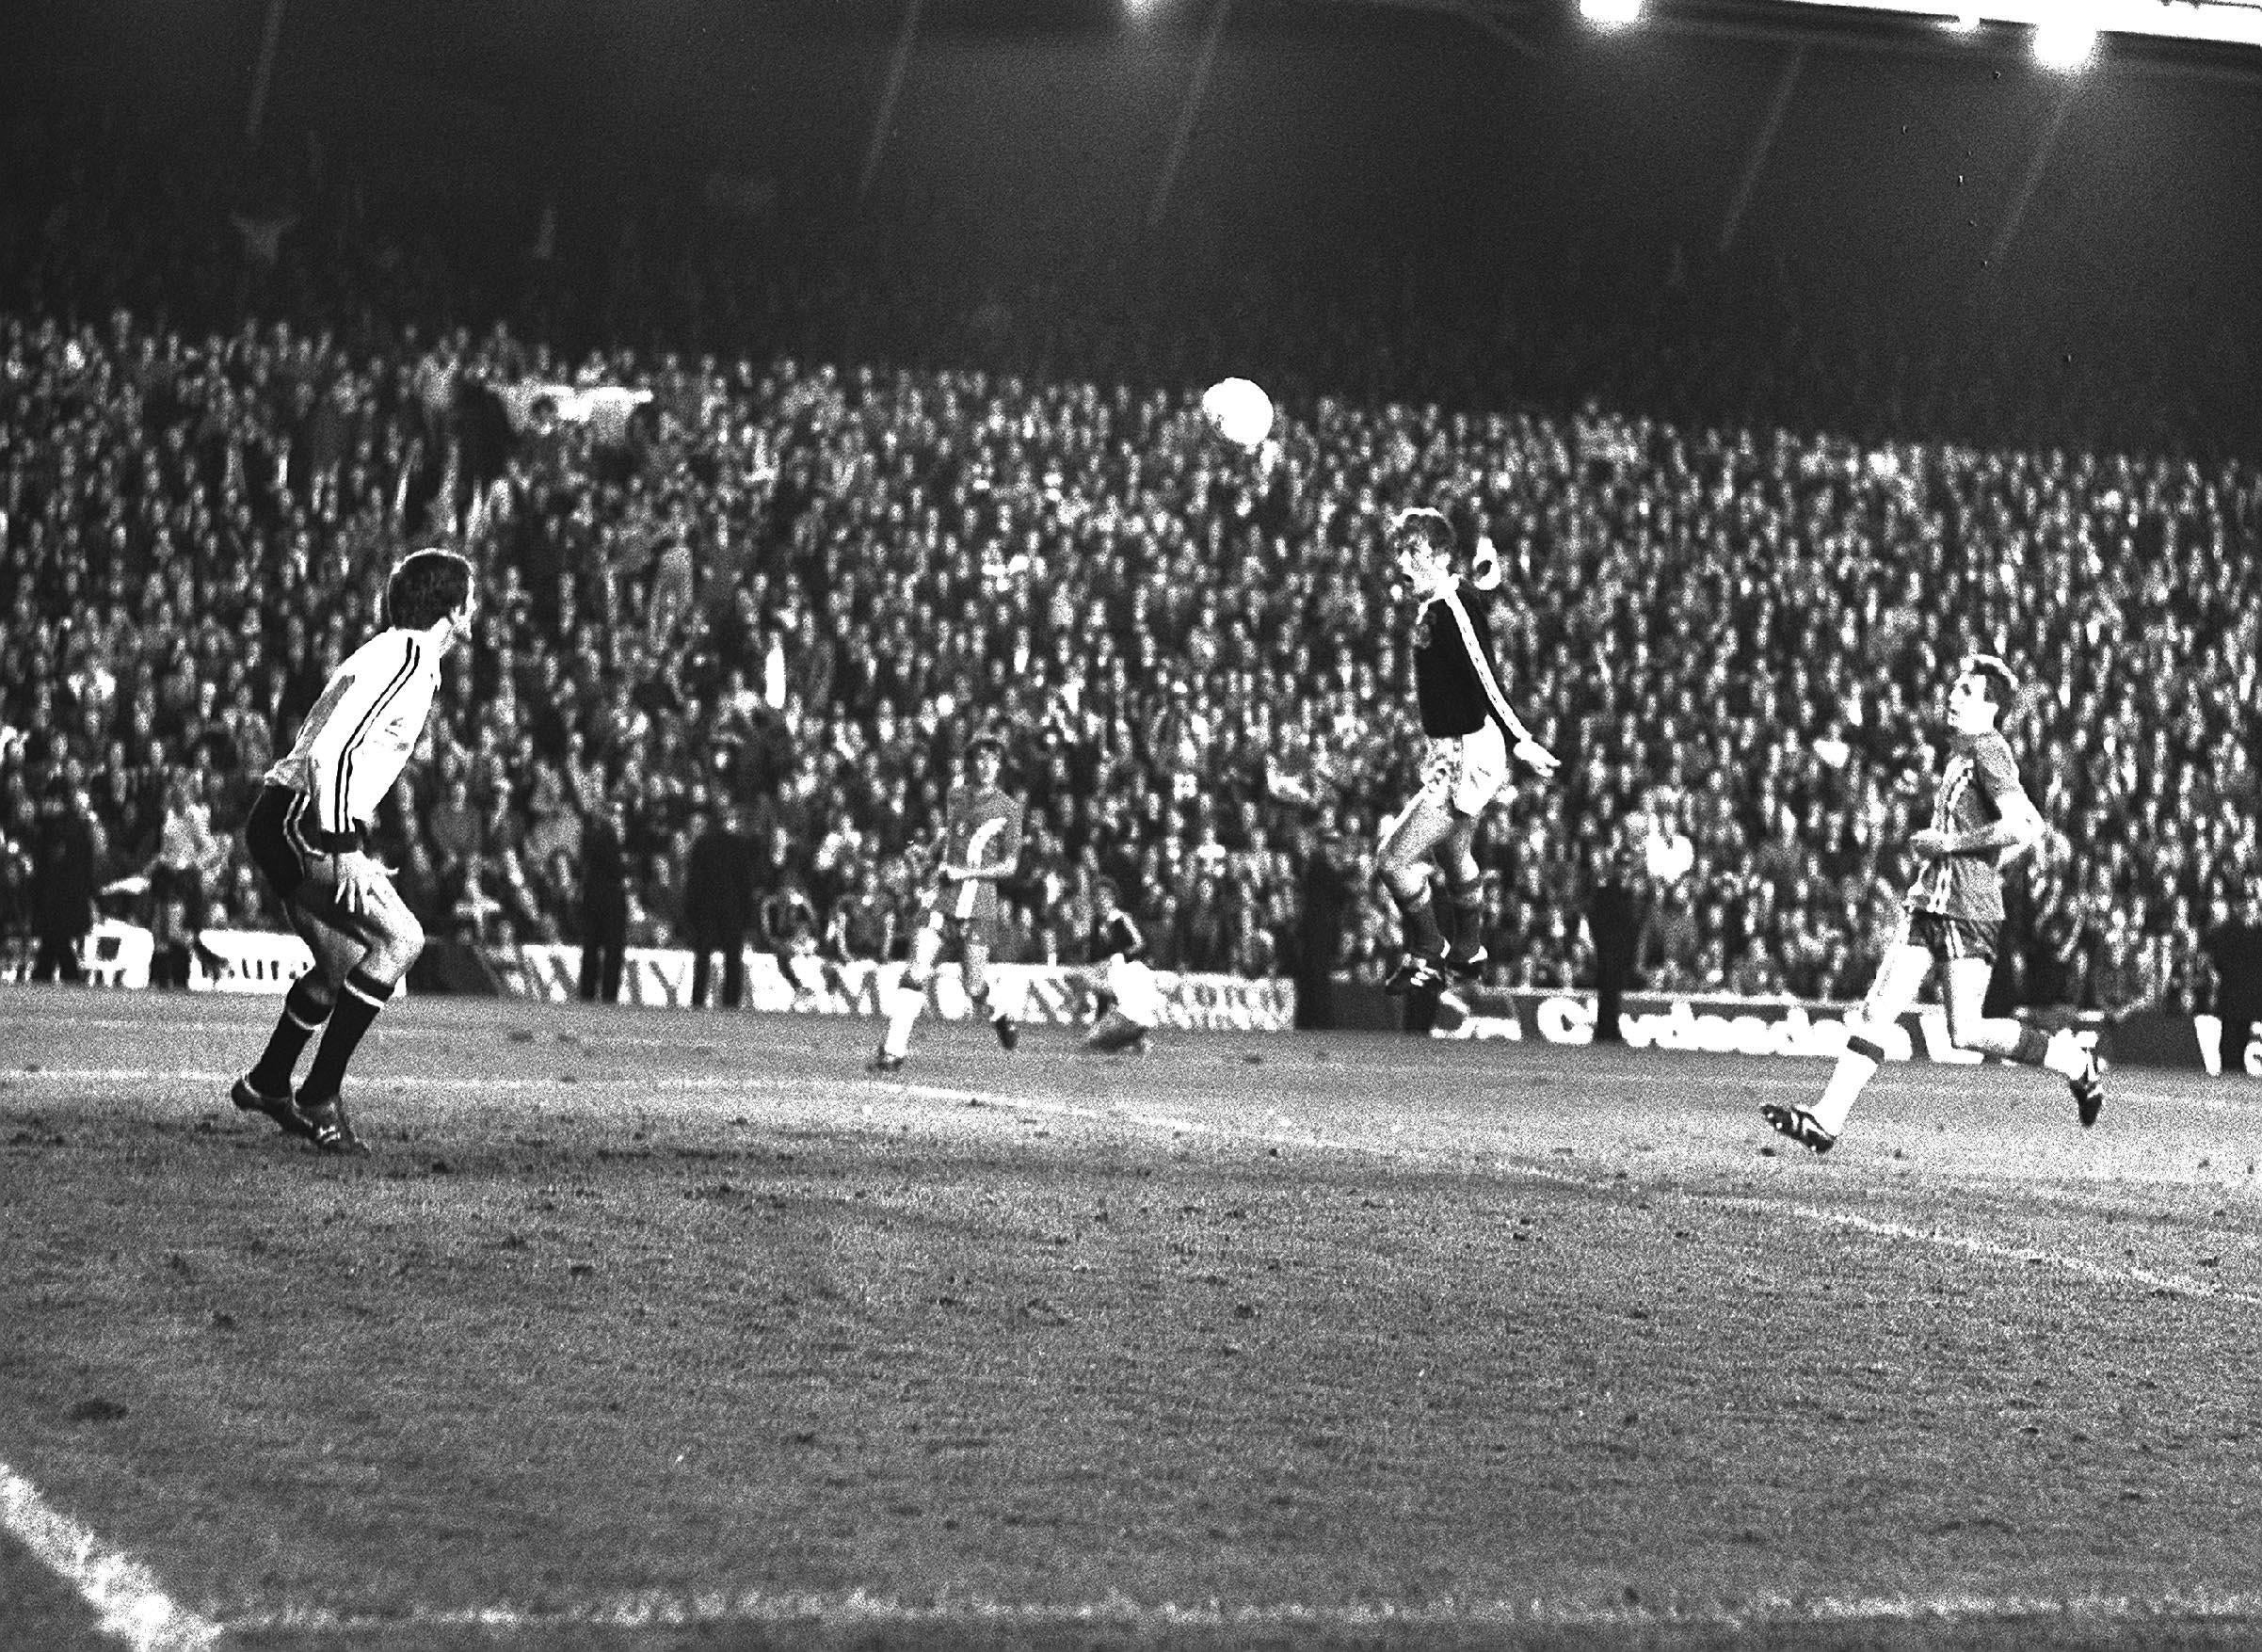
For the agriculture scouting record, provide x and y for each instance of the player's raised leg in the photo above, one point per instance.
(1899, 977)
(1403, 864)
(2014, 1041)
(1464, 895)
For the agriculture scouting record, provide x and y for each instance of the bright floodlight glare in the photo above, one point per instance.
(1610, 13)
(2065, 46)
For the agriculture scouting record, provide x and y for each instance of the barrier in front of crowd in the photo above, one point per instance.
(251, 961)
(1778, 1026)
(119, 955)
(1038, 993)
(110, 955)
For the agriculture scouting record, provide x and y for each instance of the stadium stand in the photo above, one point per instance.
(782, 547)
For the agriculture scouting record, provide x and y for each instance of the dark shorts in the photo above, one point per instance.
(272, 835)
(298, 871)
(1949, 938)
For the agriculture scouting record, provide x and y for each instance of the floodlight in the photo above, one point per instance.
(2064, 44)
(1610, 13)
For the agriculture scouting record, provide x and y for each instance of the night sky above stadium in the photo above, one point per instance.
(1324, 132)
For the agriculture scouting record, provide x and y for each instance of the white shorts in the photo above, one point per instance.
(1138, 999)
(1468, 770)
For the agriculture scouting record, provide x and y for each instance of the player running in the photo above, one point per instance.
(1983, 820)
(981, 843)
(308, 833)
(1471, 729)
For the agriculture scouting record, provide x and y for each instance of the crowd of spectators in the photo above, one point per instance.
(785, 590)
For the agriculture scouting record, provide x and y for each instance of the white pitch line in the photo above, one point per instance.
(1813, 1215)
(1991, 1250)
(126, 1598)
(657, 1609)
(1985, 1248)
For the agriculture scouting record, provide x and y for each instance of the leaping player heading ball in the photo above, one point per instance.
(1981, 820)
(1472, 731)
(981, 843)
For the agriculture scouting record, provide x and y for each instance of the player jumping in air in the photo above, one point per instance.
(1981, 820)
(981, 843)
(1471, 731)
(308, 833)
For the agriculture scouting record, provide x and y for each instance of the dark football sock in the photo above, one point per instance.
(357, 1007)
(1468, 920)
(1418, 918)
(303, 1014)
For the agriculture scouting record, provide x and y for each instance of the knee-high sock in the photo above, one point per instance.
(303, 1013)
(1468, 917)
(357, 1007)
(908, 1001)
(1417, 918)
(1863, 1056)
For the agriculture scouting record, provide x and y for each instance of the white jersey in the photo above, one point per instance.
(358, 737)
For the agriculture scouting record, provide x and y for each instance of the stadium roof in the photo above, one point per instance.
(2205, 36)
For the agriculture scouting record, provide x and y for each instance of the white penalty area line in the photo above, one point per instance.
(126, 1599)
(1988, 1249)
(1120, 1614)
(1985, 1249)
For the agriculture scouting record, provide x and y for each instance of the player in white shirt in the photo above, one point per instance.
(308, 833)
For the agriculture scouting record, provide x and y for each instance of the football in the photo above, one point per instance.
(1238, 411)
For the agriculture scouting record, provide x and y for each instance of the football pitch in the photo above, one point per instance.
(650, 1329)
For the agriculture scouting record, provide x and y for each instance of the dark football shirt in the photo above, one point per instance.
(1456, 681)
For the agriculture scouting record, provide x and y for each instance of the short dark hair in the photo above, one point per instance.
(426, 587)
(1995, 682)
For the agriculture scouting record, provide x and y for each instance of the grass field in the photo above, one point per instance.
(644, 1329)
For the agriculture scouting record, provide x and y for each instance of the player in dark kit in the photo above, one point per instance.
(981, 843)
(1129, 1004)
(307, 834)
(1471, 730)
(1983, 820)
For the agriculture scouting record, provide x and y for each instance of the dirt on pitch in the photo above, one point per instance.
(1294, 1341)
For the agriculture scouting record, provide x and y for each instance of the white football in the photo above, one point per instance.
(1238, 411)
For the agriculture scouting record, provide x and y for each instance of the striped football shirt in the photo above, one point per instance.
(358, 737)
